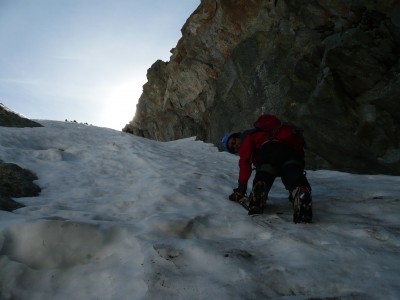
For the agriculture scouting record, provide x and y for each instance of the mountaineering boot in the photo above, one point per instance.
(258, 198)
(302, 205)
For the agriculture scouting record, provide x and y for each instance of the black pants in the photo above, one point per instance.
(276, 159)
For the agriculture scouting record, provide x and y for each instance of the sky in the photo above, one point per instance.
(84, 60)
(123, 217)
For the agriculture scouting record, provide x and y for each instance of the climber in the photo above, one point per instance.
(275, 149)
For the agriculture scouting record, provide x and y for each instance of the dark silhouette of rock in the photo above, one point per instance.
(15, 182)
(9, 118)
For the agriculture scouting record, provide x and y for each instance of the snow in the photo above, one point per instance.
(123, 217)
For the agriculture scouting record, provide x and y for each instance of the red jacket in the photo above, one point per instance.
(268, 128)
(251, 141)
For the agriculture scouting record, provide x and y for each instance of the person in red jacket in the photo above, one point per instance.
(273, 155)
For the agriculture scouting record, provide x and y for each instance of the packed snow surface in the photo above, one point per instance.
(123, 217)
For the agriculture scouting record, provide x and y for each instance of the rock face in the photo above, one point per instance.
(330, 67)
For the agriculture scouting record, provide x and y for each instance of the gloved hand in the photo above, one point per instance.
(238, 193)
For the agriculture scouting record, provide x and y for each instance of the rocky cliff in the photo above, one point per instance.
(331, 67)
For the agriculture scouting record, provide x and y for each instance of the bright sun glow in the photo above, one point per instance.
(120, 104)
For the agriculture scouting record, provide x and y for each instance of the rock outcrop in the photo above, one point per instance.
(331, 67)
(8, 118)
(15, 182)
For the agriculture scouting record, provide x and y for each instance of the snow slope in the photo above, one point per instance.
(123, 217)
